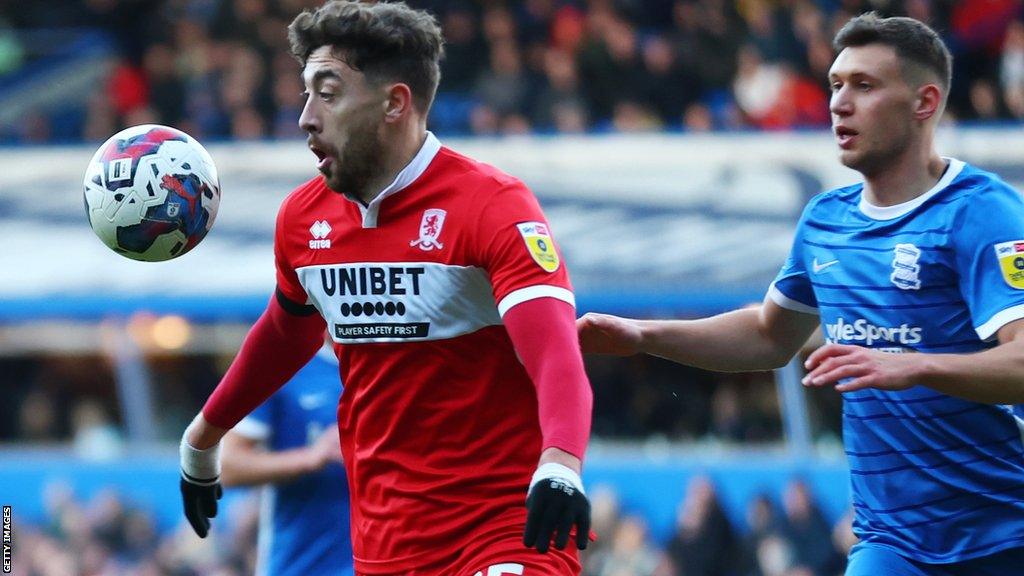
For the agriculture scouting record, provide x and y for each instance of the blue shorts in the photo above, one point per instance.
(868, 560)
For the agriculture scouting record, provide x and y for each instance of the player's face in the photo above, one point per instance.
(872, 107)
(343, 116)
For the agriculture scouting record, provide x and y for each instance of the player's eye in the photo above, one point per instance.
(325, 96)
(836, 86)
(864, 86)
(304, 94)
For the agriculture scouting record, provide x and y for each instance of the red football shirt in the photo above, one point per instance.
(438, 419)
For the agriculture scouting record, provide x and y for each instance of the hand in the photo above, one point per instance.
(606, 334)
(865, 368)
(327, 448)
(199, 498)
(555, 503)
(200, 475)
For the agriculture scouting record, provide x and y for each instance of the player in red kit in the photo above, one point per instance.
(451, 313)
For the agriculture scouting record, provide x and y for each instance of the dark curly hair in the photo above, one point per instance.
(387, 42)
(914, 42)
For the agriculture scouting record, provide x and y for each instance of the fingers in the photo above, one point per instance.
(210, 502)
(856, 384)
(583, 530)
(533, 518)
(825, 352)
(200, 524)
(547, 526)
(831, 373)
(200, 504)
(565, 521)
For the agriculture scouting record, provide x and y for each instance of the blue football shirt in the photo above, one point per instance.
(304, 524)
(937, 479)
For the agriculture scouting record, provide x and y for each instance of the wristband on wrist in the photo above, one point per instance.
(556, 471)
(199, 466)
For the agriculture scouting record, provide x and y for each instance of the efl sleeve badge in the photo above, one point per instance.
(1011, 262)
(539, 244)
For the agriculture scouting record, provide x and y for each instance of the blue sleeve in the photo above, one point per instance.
(989, 244)
(792, 286)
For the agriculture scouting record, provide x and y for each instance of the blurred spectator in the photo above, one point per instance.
(559, 104)
(37, 418)
(762, 522)
(604, 517)
(1011, 74)
(166, 86)
(609, 64)
(630, 554)
(843, 539)
(463, 48)
(208, 66)
(805, 527)
(666, 85)
(94, 436)
(704, 543)
(502, 91)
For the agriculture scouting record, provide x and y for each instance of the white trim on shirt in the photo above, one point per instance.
(407, 176)
(788, 303)
(533, 292)
(988, 330)
(895, 211)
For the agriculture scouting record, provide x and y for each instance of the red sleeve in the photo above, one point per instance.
(519, 250)
(287, 281)
(543, 331)
(278, 344)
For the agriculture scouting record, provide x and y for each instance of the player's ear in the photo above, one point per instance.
(398, 103)
(928, 102)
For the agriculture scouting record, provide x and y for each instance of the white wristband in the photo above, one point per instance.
(556, 471)
(199, 465)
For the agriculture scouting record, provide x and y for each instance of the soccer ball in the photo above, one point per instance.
(151, 192)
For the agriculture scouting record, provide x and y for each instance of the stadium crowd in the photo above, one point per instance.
(107, 536)
(221, 70)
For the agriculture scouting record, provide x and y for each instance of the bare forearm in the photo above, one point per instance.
(254, 467)
(730, 342)
(995, 376)
(202, 435)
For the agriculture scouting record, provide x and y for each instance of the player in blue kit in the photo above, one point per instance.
(304, 512)
(917, 277)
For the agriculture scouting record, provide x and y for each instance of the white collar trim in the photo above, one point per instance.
(413, 170)
(897, 210)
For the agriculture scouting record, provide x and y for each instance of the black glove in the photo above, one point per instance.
(555, 503)
(200, 484)
(200, 500)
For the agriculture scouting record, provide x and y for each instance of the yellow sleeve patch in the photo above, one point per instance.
(1011, 262)
(540, 245)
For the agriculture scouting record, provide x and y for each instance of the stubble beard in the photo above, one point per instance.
(878, 158)
(358, 163)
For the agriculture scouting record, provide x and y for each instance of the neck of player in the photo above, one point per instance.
(910, 174)
(401, 146)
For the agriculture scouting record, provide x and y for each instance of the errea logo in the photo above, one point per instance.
(320, 229)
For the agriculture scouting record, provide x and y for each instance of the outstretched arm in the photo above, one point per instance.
(756, 338)
(245, 463)
(995, 376)
(283, 339)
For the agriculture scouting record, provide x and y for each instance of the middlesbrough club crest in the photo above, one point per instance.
(430, 229)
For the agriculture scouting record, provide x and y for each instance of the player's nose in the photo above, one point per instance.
(840, 104)
(309, 121)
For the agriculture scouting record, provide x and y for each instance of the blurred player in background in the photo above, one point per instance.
(917, 275)
(290, 443)
(451, 312)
